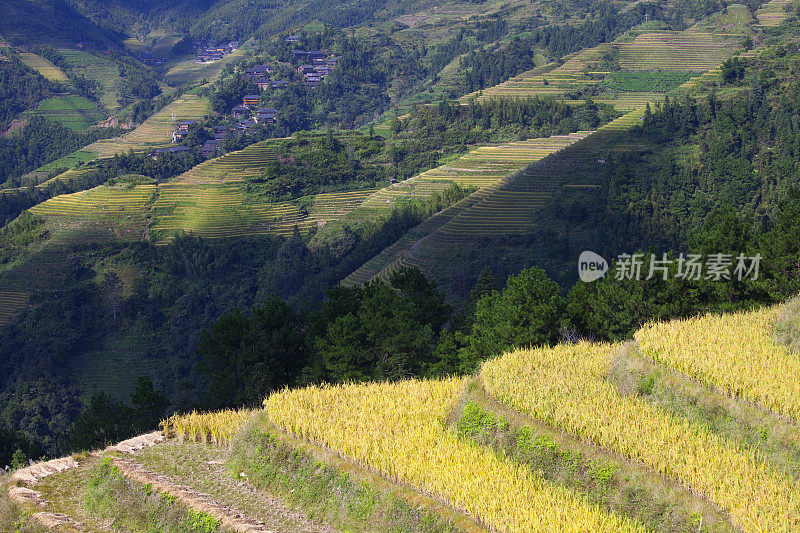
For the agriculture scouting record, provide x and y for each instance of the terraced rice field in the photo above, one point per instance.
(687, 53)
(68, 161)
(223, 211)
(11, 302)
(735, 353)
(100, 70)
(73, 112)
(211, 210)
(43, 67)
(156, 130)
(120, 210)
(495, 208)
(399, 431)
(677, 51)
(215, 211)
(506, 207)
(773, 13)
(102, 201)
(334, 205)
(546, 80)
(567, 387)
(187, 71)
(72, 173)
(236, 166)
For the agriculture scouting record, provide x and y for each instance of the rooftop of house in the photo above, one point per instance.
(171, 150)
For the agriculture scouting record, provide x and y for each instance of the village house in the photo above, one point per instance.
(251, 99)
(246, 124)
(179, 135)
(279, 84)
(170, 150)
(263, 84)
(308, 55)
(258, 72)
(240, 112)
(209, 149)
(293, 39)
(266, 115)
(313, 79)
(185, 125)
(220, 132)
(305, 69)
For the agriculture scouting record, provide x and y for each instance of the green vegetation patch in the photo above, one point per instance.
(314, 27)
(646, 81)
(99, 70)
(787, 326)
(99, 496)
(74, 112)
(17, 236)
(68, 161)
(59, 103)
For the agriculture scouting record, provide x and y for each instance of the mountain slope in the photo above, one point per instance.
(609, 437)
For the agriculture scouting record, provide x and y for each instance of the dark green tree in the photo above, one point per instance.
(381, 331)
(103, 422)
(527, 313)
(149, 404)
(244, 357)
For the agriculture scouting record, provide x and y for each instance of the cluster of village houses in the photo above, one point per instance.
(246, 116)
(208, 51)
(314, 65)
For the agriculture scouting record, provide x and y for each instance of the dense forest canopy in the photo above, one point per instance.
(213, 324)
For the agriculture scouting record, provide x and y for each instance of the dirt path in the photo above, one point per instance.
(194, 474)
(228, 516)
(22, 481)
(198, 475)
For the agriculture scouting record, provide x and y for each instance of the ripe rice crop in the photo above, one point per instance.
(216, 211)
(43, 66)
(217, 427)
(398, 430)
(566, 387)
(100, 202)
(734, 353)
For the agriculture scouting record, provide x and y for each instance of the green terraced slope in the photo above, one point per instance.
(11, 302)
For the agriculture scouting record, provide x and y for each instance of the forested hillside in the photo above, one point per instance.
(366, 191)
